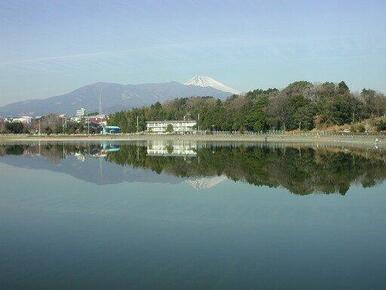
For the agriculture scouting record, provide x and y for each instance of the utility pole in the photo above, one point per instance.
(63, 121)
(39, 126)
(137, 125)
(88, 126)
(198, 122)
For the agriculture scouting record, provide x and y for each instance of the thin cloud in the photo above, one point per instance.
(53, 58)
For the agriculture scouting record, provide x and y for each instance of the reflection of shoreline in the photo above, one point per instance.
(301, 170)
(58, 150)
(296, 139)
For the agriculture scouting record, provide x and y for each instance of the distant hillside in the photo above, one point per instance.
(115, 97)
(300, 106)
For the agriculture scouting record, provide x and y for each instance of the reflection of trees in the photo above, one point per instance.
(54, 152)
(13, 150)
(300, 170)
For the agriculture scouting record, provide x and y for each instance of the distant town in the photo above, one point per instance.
(83, 122)
(80, 122)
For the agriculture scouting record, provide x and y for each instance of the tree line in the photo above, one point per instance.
(301, 105)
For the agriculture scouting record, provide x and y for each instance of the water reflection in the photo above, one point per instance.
(301, 170)
(170, 148)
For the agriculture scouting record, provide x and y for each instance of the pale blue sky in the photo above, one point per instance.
(51, 47)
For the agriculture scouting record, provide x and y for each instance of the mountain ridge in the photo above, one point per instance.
(114, 97)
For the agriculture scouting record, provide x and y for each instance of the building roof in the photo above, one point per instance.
(112, 127)
(172, 121)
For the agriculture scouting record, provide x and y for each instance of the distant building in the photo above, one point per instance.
(98, 119)
(80, 113)
(161, 127)
(26, 120)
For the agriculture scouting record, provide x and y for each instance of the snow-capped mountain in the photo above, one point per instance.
(204, 81)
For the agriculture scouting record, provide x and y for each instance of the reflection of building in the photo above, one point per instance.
(106, 148)
(80, 156)
(161, 148)
(170, 126)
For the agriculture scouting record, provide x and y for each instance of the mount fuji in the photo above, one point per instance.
(205, 81)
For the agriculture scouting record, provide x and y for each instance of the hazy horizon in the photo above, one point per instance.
(51, 48)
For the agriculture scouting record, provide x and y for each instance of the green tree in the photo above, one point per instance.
(300, 113)
(343, 88)
(169, 128)
(15, 127)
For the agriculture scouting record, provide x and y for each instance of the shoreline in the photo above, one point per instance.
(306, 139)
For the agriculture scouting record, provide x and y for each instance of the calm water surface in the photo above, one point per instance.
(191, 216)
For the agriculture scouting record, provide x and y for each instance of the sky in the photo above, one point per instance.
(52, 47)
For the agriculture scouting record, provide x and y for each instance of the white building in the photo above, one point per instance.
(26, 120)
(161, 127)
(80, 113)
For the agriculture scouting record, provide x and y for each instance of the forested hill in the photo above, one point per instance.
(300, 105)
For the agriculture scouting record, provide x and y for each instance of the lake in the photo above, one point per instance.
(186, 215)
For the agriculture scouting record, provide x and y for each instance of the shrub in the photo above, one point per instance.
(358, 128)
(380, 125)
